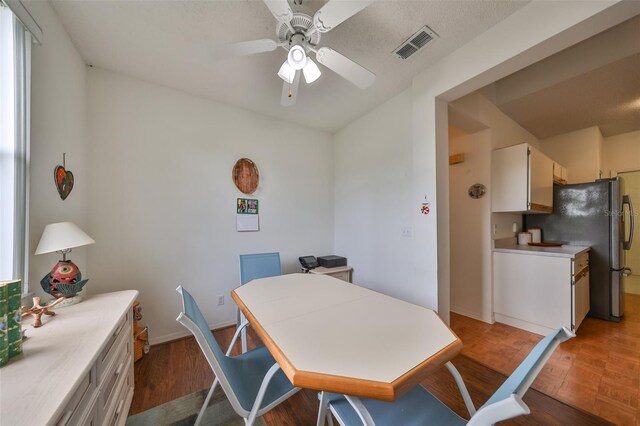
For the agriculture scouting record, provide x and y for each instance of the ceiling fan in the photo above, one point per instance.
(299, 34)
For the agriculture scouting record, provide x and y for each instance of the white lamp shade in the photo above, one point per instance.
(311, 71)
(287, 73)
(62, 236)
(297, 57)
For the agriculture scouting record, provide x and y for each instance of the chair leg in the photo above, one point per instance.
(241, 327)
(243, 340)
(243, 334)
(322, 410)
(206, 402)
(462, 387)
(261, 392)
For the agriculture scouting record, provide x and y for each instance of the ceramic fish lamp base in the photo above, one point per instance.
(64, 280)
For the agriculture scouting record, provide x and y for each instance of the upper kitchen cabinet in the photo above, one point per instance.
(560, 174)
(521, 180)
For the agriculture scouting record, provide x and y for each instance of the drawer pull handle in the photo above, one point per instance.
(118, 411)
(115, 333)
(65, 419)
(119, 369)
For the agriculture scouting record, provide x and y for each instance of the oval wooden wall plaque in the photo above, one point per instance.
(245, 176)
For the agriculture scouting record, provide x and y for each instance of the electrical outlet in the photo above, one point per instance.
(406, 231)
(221, 299)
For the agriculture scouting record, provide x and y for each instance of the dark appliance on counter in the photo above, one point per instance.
(593, 214)
(332, 261)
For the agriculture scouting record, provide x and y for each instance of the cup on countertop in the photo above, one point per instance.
(536, 235)
(524, 238)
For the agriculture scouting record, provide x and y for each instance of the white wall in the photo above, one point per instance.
(373, 203)
(139, 134)
(621, 153)
(580, 152)
(492, 55)
(472, 225)
(58, 125)
(162, 202)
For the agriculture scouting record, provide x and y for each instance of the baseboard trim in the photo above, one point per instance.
(471, 314)
(166, 338)
(524, 325)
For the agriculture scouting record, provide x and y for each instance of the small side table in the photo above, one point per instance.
(341, 272)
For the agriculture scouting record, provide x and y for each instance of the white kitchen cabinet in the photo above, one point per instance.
(560, 174)
(540, 293)
(521, 180)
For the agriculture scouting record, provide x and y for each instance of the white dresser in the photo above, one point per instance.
(77, 369)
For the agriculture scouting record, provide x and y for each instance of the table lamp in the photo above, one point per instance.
(65, 279)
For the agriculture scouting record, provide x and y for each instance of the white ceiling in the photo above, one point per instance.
(164, 42)
(594, 83)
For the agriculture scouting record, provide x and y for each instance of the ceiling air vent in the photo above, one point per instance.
(417, 41)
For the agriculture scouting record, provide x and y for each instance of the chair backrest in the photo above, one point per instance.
(259, 265)
(521, 379)
(223, 367)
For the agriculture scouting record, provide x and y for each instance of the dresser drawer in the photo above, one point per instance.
(80, 400)
(118, 408)
(109, 385)
(88, 417)
(106, 358)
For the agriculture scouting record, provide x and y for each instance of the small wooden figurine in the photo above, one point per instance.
(38, 310)
(140, 334)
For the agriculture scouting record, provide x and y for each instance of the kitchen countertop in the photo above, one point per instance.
(508, 245)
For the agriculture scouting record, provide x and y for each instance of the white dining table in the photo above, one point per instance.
(330, 335)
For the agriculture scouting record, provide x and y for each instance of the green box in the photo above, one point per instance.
(13, 331)
(15, 348)
(14, 303)
(4, 336)
(4, 331)
(15, 288)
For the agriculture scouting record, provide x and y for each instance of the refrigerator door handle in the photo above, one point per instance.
(627, 200)
(626, 272)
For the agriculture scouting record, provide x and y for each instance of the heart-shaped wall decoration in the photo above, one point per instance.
(64, 181)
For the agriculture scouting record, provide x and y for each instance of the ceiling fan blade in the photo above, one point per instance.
(345, 67)
(334, 12)
(243, 48)
(290, 91)
(280, 10)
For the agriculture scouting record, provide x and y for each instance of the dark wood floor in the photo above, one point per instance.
(178, 368)
(597, 371)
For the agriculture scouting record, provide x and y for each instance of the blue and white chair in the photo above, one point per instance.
(419, 407)
(254, 266)
(253, 381)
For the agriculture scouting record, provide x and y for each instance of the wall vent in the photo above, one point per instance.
(417, 41)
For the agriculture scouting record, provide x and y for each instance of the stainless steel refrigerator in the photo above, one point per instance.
(600, 215)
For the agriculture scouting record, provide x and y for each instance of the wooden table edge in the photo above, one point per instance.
(345, 385)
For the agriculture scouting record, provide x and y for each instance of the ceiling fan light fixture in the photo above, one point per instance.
(297, 57)
(286, 72)
(311, 71)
